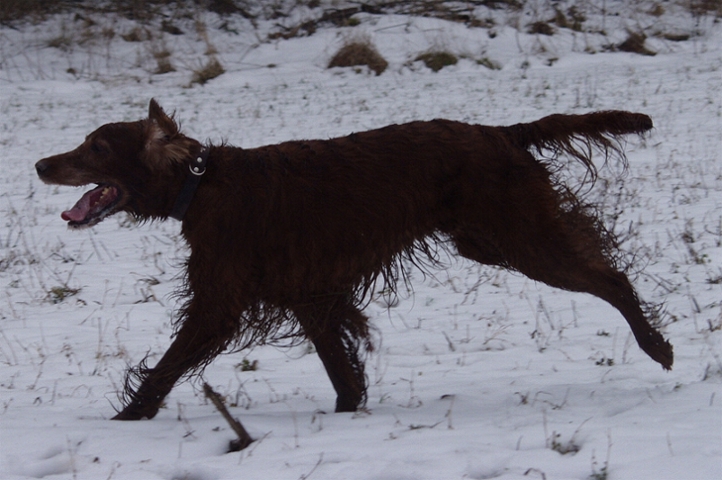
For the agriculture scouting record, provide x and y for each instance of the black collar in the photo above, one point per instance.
(197, 168)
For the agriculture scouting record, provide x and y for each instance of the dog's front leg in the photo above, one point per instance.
(204, 334)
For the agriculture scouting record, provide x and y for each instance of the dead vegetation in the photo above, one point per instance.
(210, 70)
(153, 23)
(540, 28)
(162, 57)
(635, 43)
(437, 59)
(325, 13)
(358, 53)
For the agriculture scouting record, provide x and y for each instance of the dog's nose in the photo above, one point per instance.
(41, 167)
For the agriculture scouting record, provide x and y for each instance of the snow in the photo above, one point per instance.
(479, 373)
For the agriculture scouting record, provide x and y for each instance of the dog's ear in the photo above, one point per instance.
(164, 145)
(164, 125)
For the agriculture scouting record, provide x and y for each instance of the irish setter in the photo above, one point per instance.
(290, 241)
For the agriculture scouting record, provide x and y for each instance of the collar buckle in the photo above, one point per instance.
(197, 168)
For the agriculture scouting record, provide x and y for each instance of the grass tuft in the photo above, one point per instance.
(541, 28)
(59, 294)
(360, 52)
(436, 60)
(489, 63)
(247, 365)
(137, 34)
(162, 55)
(635, 44)
(207, 72)
(572, 19)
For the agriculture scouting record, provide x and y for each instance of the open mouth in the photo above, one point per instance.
(92, 207)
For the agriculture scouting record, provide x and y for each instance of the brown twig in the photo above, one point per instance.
(244, 439)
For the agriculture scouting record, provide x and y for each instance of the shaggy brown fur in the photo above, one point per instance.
(289, 240)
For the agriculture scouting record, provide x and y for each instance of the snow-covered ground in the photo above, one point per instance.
(479, 373)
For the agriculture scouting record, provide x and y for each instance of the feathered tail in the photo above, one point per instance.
(577, 135)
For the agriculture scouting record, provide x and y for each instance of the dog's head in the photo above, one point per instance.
(138, 167)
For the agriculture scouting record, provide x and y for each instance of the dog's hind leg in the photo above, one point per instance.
(613, 286)
(564, 251)
(339, 332)
(203, 335)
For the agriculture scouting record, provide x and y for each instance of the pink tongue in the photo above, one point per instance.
(92, 200)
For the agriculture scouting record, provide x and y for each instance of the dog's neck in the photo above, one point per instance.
(197, 168)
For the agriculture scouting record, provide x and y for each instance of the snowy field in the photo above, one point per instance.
(480, 373)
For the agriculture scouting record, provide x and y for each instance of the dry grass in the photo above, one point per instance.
(436, 60)
(11, 10)
(359, 52)
(540, 28)
(207, 72)
(488, 63)
(137, 34)
(162, 58)
(572, 19)
(635, 44)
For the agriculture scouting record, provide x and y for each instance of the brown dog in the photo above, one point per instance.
(288, 241)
